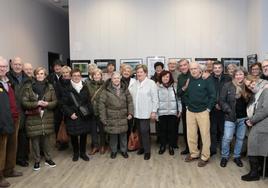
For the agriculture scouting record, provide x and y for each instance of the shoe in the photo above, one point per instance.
(94, 151)
(113, 155)
(147, 156)
(13, 174)
(176, 146)
(36, 166)
(75, 157)
(238, 162)
(253, 175)
(124, 154)
(171, 150)
(162, 150)
(102, 150)
(185, 152)
(22, 163)
(4, 182)
(190, 159)
(140, 152)
(84, 157)
(202, 163)
(224, 162)
(50, 163)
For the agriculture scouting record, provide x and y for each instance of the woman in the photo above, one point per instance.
(126, 72)
(168, 112)
(158, 67)
(116, 107)
(109, 71)
(255, 70)
(95, 86)
(145, 100)
(258, 122)
(91, 68)
(77, 122)
(62, 85)
(233, 101)
(39, 100)
(230, 69)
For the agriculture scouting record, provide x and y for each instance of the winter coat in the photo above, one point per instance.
(35, 124)
(258, 135)
(168, 102)
(115, 109)
(93, 87)
(80, 125)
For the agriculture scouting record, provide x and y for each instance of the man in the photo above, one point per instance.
(9, 117)
(28, 69)
(17, 79)
(216, 114)
(200, 101)
(182, 84)
(209, 66)
(264, 69)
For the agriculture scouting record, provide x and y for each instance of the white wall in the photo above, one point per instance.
(30, 29)
(172, 28)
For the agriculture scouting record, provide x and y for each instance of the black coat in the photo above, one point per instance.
(219, 82)
(80, 125)
(6, 120)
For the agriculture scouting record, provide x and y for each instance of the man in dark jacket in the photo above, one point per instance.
(8, 127)
(200, 101)
(264, 70)
(216, 114)
(17, 79)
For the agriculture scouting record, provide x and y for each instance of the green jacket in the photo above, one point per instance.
(35, 125)
(93, 87)
(182, 78)
(201, 94)
(115, 109)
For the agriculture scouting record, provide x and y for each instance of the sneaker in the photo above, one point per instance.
(50, 163)
(36, 166)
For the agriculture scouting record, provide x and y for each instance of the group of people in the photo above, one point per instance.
(213, 107)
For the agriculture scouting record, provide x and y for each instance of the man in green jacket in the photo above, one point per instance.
(200, 100)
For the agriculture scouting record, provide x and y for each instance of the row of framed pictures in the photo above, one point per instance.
(151, 60)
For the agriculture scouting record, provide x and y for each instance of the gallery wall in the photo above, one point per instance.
(172, 28)
(30, 29)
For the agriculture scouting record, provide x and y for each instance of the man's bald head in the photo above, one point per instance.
(28, 69)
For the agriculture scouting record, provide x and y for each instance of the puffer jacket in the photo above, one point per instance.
(168, 102)
(115, 109)
(35, 125)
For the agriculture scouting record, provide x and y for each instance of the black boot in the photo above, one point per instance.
(162, 149)
(253, 175)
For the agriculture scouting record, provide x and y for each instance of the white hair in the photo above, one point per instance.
(3, 60)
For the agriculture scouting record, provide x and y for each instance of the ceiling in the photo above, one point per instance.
(61, 6)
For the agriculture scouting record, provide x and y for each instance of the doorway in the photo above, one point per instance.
(51, 58)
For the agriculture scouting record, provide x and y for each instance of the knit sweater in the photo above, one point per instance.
(201, 94)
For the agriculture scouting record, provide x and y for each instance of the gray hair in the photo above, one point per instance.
(3, 60)
(116, 74)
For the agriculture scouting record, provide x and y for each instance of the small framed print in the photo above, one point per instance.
(203, 61)
(132, 62)
(102, 63)
(151, 60)
(251, 59)
(226, 61)
(177, 59)
(82, 65)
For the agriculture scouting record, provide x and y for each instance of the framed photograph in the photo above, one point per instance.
(227, 61)
(151, 60)
(203, 61)
(251, 59)
(132, 62)
(82, 65)
(102, 63)
(177, 59)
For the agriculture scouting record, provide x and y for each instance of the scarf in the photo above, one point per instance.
(77, 86)
(117, 89)
(39, 87)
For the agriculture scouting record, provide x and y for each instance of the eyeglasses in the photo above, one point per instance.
(265, 66)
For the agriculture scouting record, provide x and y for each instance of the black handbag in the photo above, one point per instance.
(84, 110)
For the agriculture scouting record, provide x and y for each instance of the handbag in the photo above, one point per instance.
(62, 136)
(83, 109)
(33, 112)
(133, 140)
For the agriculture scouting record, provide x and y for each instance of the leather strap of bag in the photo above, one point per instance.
(75, 101)
(93, 97)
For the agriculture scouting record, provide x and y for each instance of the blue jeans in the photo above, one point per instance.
(239, 128)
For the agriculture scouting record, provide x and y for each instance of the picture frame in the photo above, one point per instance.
(227, 61)
(133, 62)
(82, 65)
(203, 61)
(102, 63)
(151, 60)
(177, 59)
(251, 59)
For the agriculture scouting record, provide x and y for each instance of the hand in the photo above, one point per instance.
(45, 104)
(40, 103)
(74, 116)
(186, 85)
(153, 116)
(129, 117)
(217, 106)
(248, 122)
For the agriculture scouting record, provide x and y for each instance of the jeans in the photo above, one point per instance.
(239, 128)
